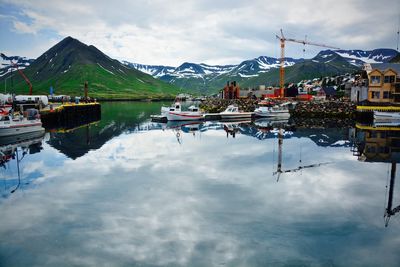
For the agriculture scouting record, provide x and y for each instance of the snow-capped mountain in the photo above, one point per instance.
(262, 64)
(359, 57)
(153, 70)
(6, 66)
(248, 68)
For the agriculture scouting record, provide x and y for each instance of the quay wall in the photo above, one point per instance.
(70, 115)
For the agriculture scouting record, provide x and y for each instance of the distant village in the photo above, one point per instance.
(376, 84)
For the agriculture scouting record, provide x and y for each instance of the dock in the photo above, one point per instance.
(68, 115)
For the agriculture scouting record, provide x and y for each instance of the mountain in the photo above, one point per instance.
(396, 59)
(68, 64)
(359, 57)
(205, 78)
(326, 63)
(264, 70)
(6, 66)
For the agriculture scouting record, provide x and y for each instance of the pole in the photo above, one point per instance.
(282, 70)
(86, 89)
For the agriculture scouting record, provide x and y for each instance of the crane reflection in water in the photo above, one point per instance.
(281, 132)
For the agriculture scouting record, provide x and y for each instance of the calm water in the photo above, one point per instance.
(128, 192)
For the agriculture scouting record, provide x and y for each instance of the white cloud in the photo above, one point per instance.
(216, 32)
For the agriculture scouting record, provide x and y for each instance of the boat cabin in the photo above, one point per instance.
(193, 109)
(175, 107)
(232, 108)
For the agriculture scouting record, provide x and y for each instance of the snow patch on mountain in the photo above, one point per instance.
(7, 67)
(359, 57)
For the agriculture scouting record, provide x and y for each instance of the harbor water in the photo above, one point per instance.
(125, 191)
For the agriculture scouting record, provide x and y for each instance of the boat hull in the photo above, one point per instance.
(282, 114)
(184, 116)
(22, 129)
(379, 115)
(239, 115)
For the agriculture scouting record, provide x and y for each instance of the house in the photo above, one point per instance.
(231, 91)
(328, 92)
(383, 82)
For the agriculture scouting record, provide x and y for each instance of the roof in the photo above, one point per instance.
(384, 66)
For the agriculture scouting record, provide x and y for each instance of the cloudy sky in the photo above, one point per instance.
(209, 31)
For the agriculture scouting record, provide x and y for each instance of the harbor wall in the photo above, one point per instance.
(68, 116)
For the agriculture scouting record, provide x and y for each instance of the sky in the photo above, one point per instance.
(214, 32)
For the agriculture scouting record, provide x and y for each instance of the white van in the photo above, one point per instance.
(32, 98)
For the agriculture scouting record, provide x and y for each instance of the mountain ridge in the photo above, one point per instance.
(69, 63)
(253, 72)
(204, 78)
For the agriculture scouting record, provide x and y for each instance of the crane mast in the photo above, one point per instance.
(283, 39)
(20, 72)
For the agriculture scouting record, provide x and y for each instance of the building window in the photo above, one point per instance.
(375, 79)
(389, 79)
(386, 94)
(375, 95)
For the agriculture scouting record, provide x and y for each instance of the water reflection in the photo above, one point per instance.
(17, 148)
(380, 143)
(138, 198)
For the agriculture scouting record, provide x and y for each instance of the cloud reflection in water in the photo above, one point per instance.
(144, 198)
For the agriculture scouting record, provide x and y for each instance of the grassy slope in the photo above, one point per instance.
(102, 84)
(298, 72)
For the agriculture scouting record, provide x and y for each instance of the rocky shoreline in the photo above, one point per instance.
(323, 109)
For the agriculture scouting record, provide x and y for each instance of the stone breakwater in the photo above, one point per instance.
(327, 109)
(216, 105)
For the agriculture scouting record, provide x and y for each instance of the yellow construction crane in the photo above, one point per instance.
(283, 39)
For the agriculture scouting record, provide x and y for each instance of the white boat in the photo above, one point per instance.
(279, 110)
(386, 123)
(232, 112)
(193, 113)
(176, 107)
(14, 125)
(381, 115)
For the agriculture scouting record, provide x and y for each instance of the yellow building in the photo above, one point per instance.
(384, 83)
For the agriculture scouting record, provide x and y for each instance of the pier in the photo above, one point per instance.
(69, 115)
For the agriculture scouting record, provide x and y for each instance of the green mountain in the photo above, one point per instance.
(324, 64)
(68, 64)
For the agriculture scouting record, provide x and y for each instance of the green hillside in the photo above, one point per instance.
(308, 69)
(70, 63)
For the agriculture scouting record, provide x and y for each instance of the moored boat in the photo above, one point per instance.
(278, 110)
(381, 115)
(193, 113)
(15, 125)
(176, 107)
(232, 112)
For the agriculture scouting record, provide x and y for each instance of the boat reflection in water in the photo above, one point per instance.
(16, 148)
(380, 144)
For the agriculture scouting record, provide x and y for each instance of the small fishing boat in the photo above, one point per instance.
(279, 110)
(232, 112)
(19, 124)
(381, 115)
(176, 107)
(193, 113)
